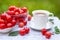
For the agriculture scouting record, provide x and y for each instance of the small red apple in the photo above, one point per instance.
(25, 22)
(26, 30)
(21, 24)
(21, 11)
(22, 32)
(13, 22)
(1, 21)
(48, 35)
(3, 16)
(10, 12)
(29, 17)
(9, 25)
(17, 10)
(24, 9)
(8, 18)
(16, 13)
(2, 26)
(43, 31)
(12, 8)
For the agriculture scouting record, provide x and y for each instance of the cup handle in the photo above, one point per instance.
(51, 15)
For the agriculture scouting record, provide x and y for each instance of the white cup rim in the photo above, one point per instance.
(40, 11)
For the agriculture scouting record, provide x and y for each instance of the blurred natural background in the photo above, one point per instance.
(50, 5)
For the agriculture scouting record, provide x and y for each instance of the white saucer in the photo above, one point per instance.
(48, 26)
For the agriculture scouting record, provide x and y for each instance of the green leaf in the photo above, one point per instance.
(51, 20)
(15, 33)
(57, 31)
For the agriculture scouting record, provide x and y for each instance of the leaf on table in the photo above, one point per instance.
(51, 20)
(57, 30)
(15, 33)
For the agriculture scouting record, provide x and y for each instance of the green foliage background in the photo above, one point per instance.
(50, 5)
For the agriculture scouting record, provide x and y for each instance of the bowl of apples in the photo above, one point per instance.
(6, 23)
(14, 16)
(19, 14)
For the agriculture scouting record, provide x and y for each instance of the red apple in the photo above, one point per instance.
(25, 22)
(12, 8)
(24, 9)
(10, 12)
(16, 13)
(43, 31)
(3, 16)
(1, 21)
(21, 24)
(13, 22)
(22, 32)
(48, 35)
(26, 30)
(9, 25)
(29, 17)
(21, 11)
(17, 10)
(2, 26)
(8, 18)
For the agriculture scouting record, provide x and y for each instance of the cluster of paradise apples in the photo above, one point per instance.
(46, 33)
(24, 31)
(14, 15)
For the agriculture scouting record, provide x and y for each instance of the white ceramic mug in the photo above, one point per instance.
(40, 18)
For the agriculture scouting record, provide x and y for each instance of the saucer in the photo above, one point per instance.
(48, 25)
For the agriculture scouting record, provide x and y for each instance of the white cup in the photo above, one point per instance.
(40, 18)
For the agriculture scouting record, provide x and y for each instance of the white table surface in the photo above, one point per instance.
(33, 35)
